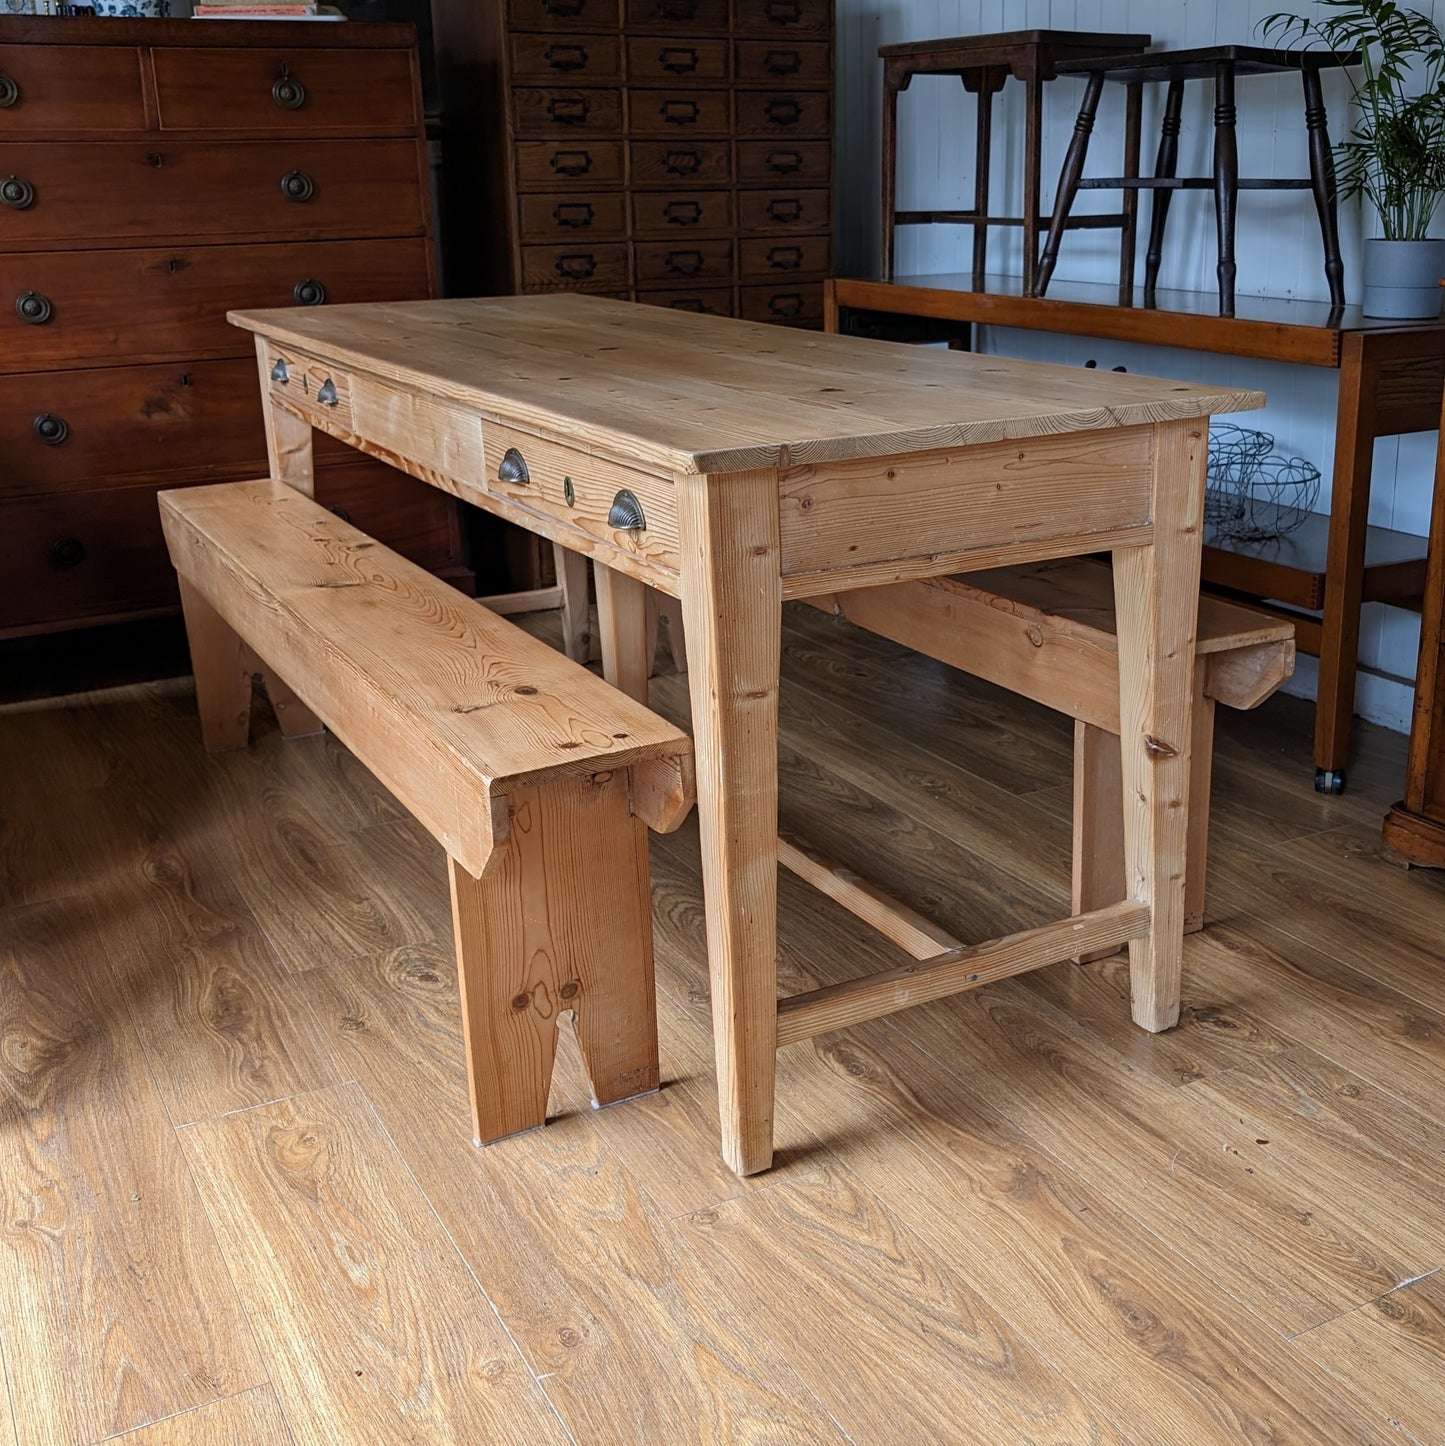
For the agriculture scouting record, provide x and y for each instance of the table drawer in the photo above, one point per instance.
(704, 300)
(685, 213)
(573, 488)
(563, 59)
(574, 267)
(564, 15)
(80, 430)
(685, 263)
(286, 92)
(783, 62)
(663, 60)
(129, 191)
(551, 111)
(800, 305)
(59, 88)
(785, 211)
(76, 555)
(589, 215)
(90, 308)
(768, 18)
(548, 165)
(681, 163)
(766, 163)
(782, 113)
(679, 17)
(783, 261)
(678, 113)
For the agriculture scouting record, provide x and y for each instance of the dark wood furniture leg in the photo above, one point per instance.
(985, 83)
(1226, 181)
(1070, 176)
(1166, 165)
(891, 88)
(1129, 237)
(1033, 167)
(1322, 182)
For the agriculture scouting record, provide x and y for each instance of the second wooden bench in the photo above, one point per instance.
(538, 779)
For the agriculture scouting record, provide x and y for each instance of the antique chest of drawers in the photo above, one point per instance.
(670, 151)
(153, 175)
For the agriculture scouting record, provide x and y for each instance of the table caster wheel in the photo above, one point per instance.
(1329, 780)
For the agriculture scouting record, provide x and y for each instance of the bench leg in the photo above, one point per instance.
(622, 622)
(295, 718)
(223, 666)
(660, 608)
(561, 923)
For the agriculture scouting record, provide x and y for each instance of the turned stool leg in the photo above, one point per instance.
(1322, 182)
(1166, 166)
(223, 666)
(1033, 167)
(1226, 182)
(1070, 176)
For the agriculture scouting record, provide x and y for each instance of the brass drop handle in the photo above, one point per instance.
(308, 292)
(625, 514)
(571, 163)
(34, 308)
(568, 110)
(566, 57)
(575, 215)
(680, 112)
(279, 373)
(785, 258)
(679, 60)
(513, 468)
(9, 91)
(684, 263)
(51, 430)
(67, 552)
(326, 394)
(785, 163)
(785, 210)
(783, 112)
(682, 163)
(578, 266)
(682, 213)
(783, 62)
(289, 93)
(16, 192)
(297, 186)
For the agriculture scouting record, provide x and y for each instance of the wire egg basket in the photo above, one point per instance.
(1253, 493)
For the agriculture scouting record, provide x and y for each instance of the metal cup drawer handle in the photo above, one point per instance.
(51, 430)
(571, 163)
(785, 258)
(626, 514)
(288, 92)
(785, 210)
(326, 393)
(682, 213)
(566, 57)
(279, 372)
(9, 91)
(569, 110)
(16, 193)
(783, 62)
(783, 12)
(578, 265)
(67, 552)
(684, 263)
(680, 112)
(682, 163)
(679, 60)
(513, 468)
(34, 308)
(297, 186)
(309, 292)
(785, 303)
(785, 163)
(575, 215)
(783, 112)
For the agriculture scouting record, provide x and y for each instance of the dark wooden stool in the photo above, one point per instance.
(983, 63)
(1222, 64)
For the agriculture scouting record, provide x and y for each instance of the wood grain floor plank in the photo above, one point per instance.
(372, 1327)
(124, 1305)
(254, 1418)
(1392, 1349)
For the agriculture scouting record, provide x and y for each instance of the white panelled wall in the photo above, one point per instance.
(1278, 236)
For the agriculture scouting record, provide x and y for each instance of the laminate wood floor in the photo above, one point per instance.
(241, 1203)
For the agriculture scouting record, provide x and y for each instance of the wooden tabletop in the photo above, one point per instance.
(682, 393)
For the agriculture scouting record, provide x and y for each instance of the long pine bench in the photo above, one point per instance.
(537, 778)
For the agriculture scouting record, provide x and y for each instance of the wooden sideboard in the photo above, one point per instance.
(154, 174)
(668, 151)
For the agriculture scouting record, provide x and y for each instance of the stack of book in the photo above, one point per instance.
(265, 10)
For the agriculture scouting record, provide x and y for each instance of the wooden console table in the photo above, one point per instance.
(734, 465)
(1390, 383)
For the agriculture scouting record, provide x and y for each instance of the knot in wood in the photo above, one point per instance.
(1158, 748)
(521, 1002)
(570, 990)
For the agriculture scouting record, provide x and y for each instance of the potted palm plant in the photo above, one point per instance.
(1394, 154)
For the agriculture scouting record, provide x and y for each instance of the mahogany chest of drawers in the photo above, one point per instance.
(668, 151)
(153, 175)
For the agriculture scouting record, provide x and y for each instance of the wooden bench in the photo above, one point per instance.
(1046, 630)
(539, 779)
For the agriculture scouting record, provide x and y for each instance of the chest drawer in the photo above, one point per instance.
(783, 113)
(679, 17)
(790, 210)
(288, 92)
(547, 111)
(685, 213)
(662, 59)
(577, 266)
(766, 163)
(681, 163)
(683, 263)
(782, 260)
(678, 112)
(127, 191)
(80, 430)
(60, 88)
(590, 215)
(565, 59)
(783, 62)
(547, 165)
(90, 308)
(767, 19)
(796, 305)
(564, 15)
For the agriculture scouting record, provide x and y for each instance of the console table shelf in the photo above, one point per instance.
(1390, 380)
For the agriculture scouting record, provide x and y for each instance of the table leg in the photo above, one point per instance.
(982, 159)
(891, 87)
(1226, 182)
(288, 437)
(1322, 182)
(1156, 592)
(1166, 165)
(732, 612)
(1069, 177)
(622, 624)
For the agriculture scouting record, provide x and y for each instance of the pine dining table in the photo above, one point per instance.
(735, 466)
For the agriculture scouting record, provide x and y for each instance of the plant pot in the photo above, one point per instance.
(1402, 279)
